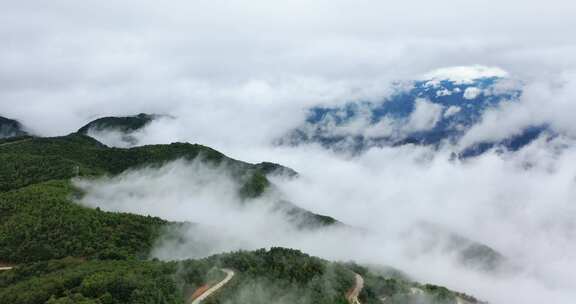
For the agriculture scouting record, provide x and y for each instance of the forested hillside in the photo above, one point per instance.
(64, 253)
(123, 124)
(277, 275)
(10, 128)
(40, 221)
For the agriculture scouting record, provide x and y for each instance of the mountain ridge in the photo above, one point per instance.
(435, 111)
(11, 128)
(84, 252)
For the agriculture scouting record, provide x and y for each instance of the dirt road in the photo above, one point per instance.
(15, 142)
(5, 268)
(353, 294)
(213, 289)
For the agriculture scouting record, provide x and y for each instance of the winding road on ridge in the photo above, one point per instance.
(352, 295)
(213, 289)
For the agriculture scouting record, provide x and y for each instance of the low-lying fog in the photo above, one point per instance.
(520, 204)
(236, 75)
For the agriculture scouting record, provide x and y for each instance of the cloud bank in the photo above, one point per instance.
(80, 61)
(520, 204)
(239, 74)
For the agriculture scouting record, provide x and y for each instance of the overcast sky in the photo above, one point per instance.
(76, 60)
(238, 74)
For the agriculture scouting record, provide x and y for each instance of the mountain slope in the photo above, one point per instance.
(10, 128)
(40, 221)
(42, 159)
(277, 275)
(40, 224)
(119, 130)
(437, 110)
(91, 282)
(126, 124)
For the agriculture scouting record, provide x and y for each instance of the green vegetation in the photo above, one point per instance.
(277, 275)
(66, 253)
(255, 185)
(42, 159)
(36, 160)
(74, 281)
(281, 275)
(123, 124)
(396, 288)
(39, 223)
(272, 168)
(304, 219)
(284, 273)
(11, 140)
(10, 128)
(439, 294)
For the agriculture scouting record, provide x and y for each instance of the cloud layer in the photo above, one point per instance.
(79, 61)
(238, 74)
(520, 204)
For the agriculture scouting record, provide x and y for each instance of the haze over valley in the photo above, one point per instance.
(295, 152)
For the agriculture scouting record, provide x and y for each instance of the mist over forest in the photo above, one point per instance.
(286, 150)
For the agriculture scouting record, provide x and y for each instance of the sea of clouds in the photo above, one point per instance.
(236, 75)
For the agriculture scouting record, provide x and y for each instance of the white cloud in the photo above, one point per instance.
(424, 117)
(542, 103)
(472, 93)
(465, 74)
(524, 213)
(159, 59)
(236, 83)
(444, 92)
(386, 127)
(452, 110)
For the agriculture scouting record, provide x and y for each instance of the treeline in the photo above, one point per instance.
(67, 253)
(284, 273)
(40, 222)
(278, 275)
(41, 159)
(281, 275)
(74, 281)
(122, 124)
(397, 288)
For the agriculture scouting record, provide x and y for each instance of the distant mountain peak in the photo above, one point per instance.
(125, 124)
(10, 128)
(436, 110)
(464, 74)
